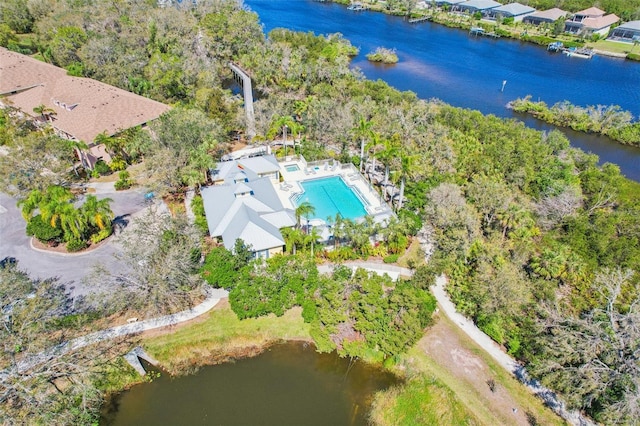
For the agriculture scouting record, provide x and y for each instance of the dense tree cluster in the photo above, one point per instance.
(607, 120)
(359, 314)
(39, 385)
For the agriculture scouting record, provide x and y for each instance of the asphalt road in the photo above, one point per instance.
(70, 269)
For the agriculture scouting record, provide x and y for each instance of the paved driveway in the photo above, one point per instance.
(70, 269)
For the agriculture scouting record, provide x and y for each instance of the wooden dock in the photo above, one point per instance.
(478, 31)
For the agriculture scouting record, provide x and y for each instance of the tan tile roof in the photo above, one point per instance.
(600, 22)
(551, 14)
(84, 107)
(592, 11)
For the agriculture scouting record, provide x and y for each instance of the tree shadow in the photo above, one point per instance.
(120, 223)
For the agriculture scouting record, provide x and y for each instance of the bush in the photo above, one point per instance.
(117, 164)
(96, 238)
(102, 168)
(123, 181)
(76, 245)
(42, 230)
(392, 258)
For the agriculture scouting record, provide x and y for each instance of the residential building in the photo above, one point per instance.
(590, 21)
(545, 17)
(78, 108)
(516, 11)
(473, 6)
(629, 32)
(243, 204)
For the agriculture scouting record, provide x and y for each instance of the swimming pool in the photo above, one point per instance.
(330, 196)
(292, 168)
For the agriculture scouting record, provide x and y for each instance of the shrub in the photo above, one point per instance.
(76, 245)
(104, 233)
(42, 230)
(392, 258)
(102, 168)
(123, 182)
(117, 163)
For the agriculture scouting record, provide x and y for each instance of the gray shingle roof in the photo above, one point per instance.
(631, 25)
(479, 4)
(514, 9)
(254, 218)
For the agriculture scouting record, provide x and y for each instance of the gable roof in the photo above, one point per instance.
(251, 168)
(83, 107)
(514, 9)
(255, 218)
(551, 14)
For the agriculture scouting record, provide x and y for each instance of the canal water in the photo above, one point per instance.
(465, 71)
(290, 384)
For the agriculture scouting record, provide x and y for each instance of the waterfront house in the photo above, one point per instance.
(545, 17)
(448, 3)
(473, 6)
(78, 108)
(590, 21)
(516, 11)
(247, 209)
(629, 32)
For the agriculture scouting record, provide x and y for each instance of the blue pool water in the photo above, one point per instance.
(292, 168)
(331, 196)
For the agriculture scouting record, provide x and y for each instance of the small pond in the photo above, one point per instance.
(289, 384)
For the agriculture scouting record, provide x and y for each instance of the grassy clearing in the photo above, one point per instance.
(421, 401)
(416, 362)
(223, 336)
(612, 46)
(413, 255)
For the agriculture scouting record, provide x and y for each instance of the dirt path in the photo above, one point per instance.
(470, 374)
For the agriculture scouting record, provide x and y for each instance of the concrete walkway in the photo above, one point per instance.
(380, 268)
(213, 297)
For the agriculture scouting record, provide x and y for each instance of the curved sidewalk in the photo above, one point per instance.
(212, 300)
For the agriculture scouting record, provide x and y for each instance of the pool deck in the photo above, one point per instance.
(290, 187)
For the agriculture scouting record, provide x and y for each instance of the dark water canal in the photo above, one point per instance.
(290, 384)
(448, 64)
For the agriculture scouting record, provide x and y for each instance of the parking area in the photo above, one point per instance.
(70, 269)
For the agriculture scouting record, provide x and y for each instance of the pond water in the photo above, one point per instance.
(289, 384)
(448, 64)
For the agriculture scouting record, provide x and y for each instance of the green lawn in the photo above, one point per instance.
(223, 335)
(613, 46)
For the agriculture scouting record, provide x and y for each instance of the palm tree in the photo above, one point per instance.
(362, 131)
(305, 209)
(311, 238)
(284, 123)
(388, 154)
(30, 204)
(44, 111)
(406, 169)
(96, 212)
(292, 238)
(373, 146)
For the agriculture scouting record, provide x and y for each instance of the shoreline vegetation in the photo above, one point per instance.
(384, 55)
(609, 121)
(221, 337)
(541, 35)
